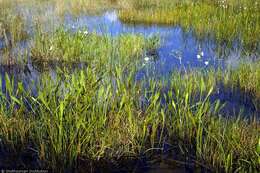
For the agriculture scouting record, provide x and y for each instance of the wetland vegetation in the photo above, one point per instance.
(88, 109)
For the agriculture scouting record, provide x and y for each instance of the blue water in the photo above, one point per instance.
(178, 50)
(2, 44)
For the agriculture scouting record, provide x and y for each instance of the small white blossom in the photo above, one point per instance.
(146, 58)
(85, 32)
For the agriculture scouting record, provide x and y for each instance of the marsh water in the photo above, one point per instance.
(179, 50)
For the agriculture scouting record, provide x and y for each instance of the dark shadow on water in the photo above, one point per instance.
(28, 159)
(237, 102)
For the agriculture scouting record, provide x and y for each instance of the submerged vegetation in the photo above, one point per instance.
(100, 112)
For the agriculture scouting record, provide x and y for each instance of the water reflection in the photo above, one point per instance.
(173, 39)
(178, 49)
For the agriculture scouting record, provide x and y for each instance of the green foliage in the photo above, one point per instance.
(63, 46)
(103, 112)
(93, 115)
(226, 20)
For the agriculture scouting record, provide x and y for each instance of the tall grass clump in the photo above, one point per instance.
(225, 20)
(12, 28)
(91, 116)
(64, 46)
(247, 78)
(214, 139)
(12, 31)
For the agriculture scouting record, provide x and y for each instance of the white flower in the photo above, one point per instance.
(198, 56)
(202, 53)
(206, 63)
(85, 32)
(51, 48)
(146, 58)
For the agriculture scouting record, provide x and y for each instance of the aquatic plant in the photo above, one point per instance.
(102, 112)
(65, 46)
(12, 27)
(90, 115)
(247, 78)
(226, 22)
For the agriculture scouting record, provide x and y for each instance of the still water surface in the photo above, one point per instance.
(179, 50)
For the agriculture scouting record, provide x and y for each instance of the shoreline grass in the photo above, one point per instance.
(227, 21)
(12, 24)
(64, 46)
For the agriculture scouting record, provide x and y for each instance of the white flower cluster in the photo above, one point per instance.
(200, 55)
(84, 32)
